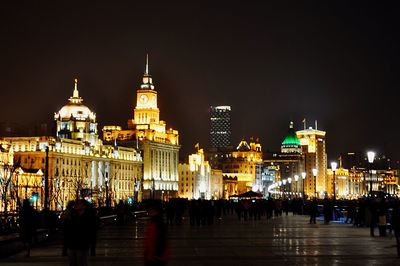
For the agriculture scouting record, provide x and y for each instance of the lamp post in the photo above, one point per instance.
(315, 172)
(284, 185)
(290, 185)
(296, 178)
(46, 180)
(333, 167)
(106, 181)
(303, 177)
(371, 158)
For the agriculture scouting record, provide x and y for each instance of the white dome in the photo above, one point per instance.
(78, 111)
(75, 108)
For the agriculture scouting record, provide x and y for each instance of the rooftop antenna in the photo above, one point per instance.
(147, 64)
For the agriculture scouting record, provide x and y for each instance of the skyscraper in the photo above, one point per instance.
(314, 151)
(220, 126)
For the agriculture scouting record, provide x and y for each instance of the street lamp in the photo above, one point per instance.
(303, 177)
(284, 185)
(290, 184)
(315, 172)
(333, 166)
(371, 158)
(296, 178)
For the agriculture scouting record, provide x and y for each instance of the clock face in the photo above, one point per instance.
(143, 98)
(153, 99)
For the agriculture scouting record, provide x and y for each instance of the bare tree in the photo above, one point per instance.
(7, 170)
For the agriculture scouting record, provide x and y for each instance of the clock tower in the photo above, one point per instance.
(146, 111)
(159, 145)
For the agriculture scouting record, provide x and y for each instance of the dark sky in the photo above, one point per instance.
(337, 62)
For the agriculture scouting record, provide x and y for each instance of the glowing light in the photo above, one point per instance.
(314, 171)
(371, 156)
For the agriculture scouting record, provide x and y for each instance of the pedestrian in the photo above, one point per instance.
(120, 212)
(373, 216)
(95, 224)
(80, 228)
(27, 225)
(155, 245)
(313, 211)
(66, 218)
(328, 209)
(396, 225)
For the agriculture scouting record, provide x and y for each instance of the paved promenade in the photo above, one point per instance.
(286, 240)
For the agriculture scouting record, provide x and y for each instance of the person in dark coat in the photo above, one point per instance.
(66, 218)
(155, 245)
(313, 211)
(27, 225)
(95, 224)
(80, 233)
(328, 209)
(396, 225)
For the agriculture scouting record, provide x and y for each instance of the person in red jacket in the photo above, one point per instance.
(155, 246)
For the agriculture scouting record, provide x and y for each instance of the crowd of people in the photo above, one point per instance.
(80, 220)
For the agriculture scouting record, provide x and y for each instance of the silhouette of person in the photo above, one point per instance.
(27, 225)
(313, 211)
(66, 218)
(155, 246)
(80, 229)
(396, 226)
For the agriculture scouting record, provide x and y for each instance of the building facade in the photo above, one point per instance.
(160, 146)
(245, 166)
(314, 151)
(195, 177)
(77, 162)
(220, 127)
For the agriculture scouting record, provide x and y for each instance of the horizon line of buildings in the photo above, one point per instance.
(141, 161)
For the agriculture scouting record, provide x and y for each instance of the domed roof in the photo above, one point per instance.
(80, 112)
(75, 108)
(291, 138)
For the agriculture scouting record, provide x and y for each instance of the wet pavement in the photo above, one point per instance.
(286, 240)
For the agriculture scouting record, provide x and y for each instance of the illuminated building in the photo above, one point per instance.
(17, 183)
(285, 166)
(28, 184)
(7, 169)
(79, 165)
(291, 144)
(217, 189)
(220, 126)
(244, 165)
(195, 177)
(160, 146)
(314, 151)
(344, 184)
(76, 121)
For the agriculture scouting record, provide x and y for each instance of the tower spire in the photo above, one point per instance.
(147, 64)
(76, 92)
(147, 80)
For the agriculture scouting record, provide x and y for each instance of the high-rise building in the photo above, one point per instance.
(314, 151)
(220, 126)
(160, 146)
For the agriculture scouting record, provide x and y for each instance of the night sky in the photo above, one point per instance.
(337, 62)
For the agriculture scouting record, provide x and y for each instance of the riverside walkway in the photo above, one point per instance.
(286, 240)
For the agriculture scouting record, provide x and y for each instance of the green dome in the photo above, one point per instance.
(291, 138)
